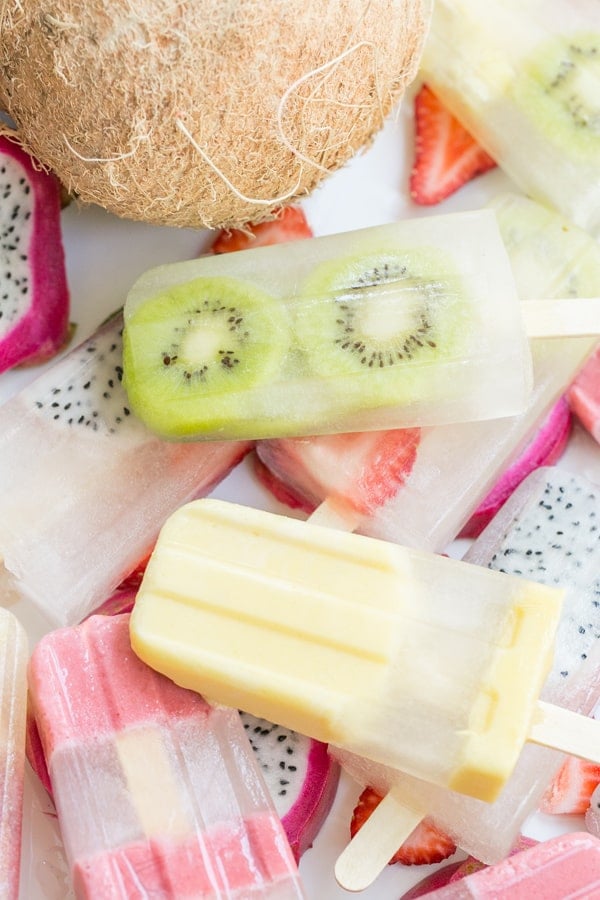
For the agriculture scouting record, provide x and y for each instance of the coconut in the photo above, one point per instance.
(203, 113)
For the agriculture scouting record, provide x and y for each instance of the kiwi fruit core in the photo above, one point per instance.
(387, 316)
(192, 353)
(559, 88)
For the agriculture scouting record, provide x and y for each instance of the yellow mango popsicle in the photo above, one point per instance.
(427, 664)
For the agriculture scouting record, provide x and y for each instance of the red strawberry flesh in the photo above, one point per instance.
(571, 790)
(289, 225)
(361, 470)
(446, 155)
(425, 845)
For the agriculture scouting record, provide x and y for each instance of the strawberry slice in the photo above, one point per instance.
(446, 155)
(289, 225)
(573, 785)
(362, 470)
(281, 491)
(426, 844)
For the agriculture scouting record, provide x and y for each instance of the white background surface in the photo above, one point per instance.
(104, 257)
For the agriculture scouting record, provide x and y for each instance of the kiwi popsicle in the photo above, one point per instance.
(419, 486)
(416, 322)
(158, 794)
(547, 531)
(524, 79)
(84, 486)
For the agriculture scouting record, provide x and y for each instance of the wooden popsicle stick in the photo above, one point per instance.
(569, 317)
(333, 514)
(372, 847)
(565, 730)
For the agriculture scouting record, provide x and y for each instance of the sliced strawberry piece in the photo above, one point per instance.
(426, 844)
(289, 225)
(361, 470)
(573, 785)
(446, 155)
(282, 492)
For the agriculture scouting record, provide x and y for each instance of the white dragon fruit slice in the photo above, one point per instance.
(553, 537)
(34, 295)
(300, 774)
(77, 518)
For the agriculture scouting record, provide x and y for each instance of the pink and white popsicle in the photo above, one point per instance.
(158, 793)
(84, 486)
(564, 868)
(13, 705)
(419, 487)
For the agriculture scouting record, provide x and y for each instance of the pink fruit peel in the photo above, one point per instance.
(34, 314)
(544, 449)
(305, 817)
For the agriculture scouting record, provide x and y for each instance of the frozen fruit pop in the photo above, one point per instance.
(84, 486)
(419, 487)
(13, 705)
(563, 868)
(584, 395)
(548, 531)
(415, 322)
(524, 79)
(158, 794)
(407, 658)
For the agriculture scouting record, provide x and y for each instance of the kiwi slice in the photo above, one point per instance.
(559, 89)
(381, 323)
(193, 354)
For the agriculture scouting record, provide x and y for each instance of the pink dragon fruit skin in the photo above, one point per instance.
(34, 294)
(544, 449)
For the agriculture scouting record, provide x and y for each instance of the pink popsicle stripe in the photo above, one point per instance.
(222, 861)
(584, 395)
(86, 683)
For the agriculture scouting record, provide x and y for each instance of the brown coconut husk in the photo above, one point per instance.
(203, 113)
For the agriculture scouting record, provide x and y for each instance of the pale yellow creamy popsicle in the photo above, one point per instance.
(427, 664)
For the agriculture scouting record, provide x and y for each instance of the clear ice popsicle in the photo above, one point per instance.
(14, 653)
(415, 322)
(84, 486)
(548, 532)
(423, 663)
(524, 79)
(584, 395)
(158, 794)
(419, 487)
(566, 867)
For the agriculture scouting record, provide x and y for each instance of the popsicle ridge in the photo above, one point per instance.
(499, 727)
